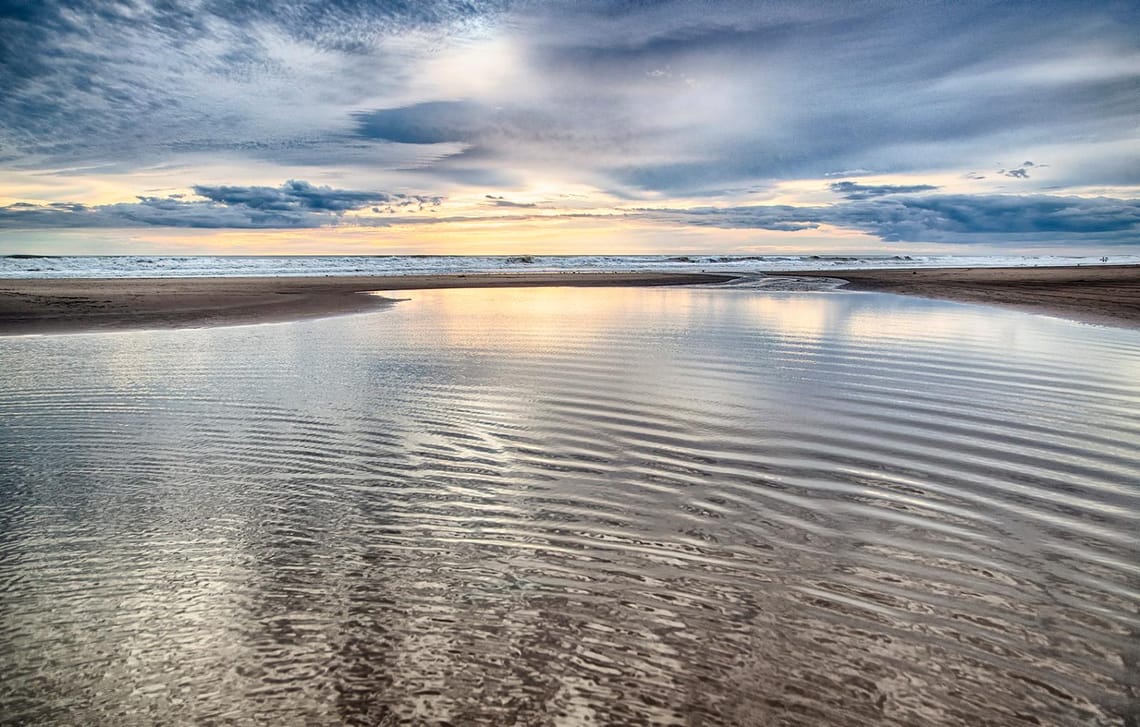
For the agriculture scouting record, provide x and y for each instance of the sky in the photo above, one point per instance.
(584, 126)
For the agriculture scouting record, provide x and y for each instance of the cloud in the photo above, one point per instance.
(1019, 172)
(783, 91)
(785, 218)
(436, 122)
(295, 204)
(664, 96)
(302, 196)
(496, 201)
(893, 217)
(637, 98)
(853, 190)
(940, 218)
(632, 100)
(969, 218)
(504, 133)
(128, 83)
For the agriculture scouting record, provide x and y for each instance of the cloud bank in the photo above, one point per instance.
(885, 212)
(293, 205)
(940, 218)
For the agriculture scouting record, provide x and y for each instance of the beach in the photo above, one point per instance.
(671, 504)
(1098, 294)
(1101, 294)
(68, 305)
(570, 364)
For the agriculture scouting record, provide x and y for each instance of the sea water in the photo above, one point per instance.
(130, 266)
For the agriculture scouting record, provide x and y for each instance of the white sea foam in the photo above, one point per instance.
(131, 266)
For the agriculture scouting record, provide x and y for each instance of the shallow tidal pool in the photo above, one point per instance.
(576, 506)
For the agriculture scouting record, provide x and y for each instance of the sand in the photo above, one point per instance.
(1107, 294)
(1101, 294)
(60, 306)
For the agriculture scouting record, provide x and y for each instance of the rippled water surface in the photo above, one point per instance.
(568, 506)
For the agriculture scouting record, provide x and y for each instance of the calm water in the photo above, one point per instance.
(563, 506)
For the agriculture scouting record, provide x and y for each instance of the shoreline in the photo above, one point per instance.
(1100, 294)
(1096, 294)
(77, 305)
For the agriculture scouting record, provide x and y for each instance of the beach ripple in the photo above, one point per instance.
(576, 507)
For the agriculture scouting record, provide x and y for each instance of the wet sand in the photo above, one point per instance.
(72, 305)
(618, 506)
(1107, 294)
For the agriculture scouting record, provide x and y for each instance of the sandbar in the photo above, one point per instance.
(38, 306)
(1105, 294)
(1108, 294)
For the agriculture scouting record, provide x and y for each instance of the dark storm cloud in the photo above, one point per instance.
(854, 190)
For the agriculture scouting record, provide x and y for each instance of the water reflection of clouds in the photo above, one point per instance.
(531, 320)
(497, 492)
(923, 322)
(806, 317)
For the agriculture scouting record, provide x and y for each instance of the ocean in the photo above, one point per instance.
(129, 266)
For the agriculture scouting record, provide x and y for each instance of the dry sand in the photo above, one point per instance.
(59, 306)
(1103, 294)
(1107, 294)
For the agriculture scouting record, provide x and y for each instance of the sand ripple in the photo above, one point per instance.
(576, 507)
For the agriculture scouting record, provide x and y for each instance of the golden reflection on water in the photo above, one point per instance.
(805, 316)
(530, 319)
